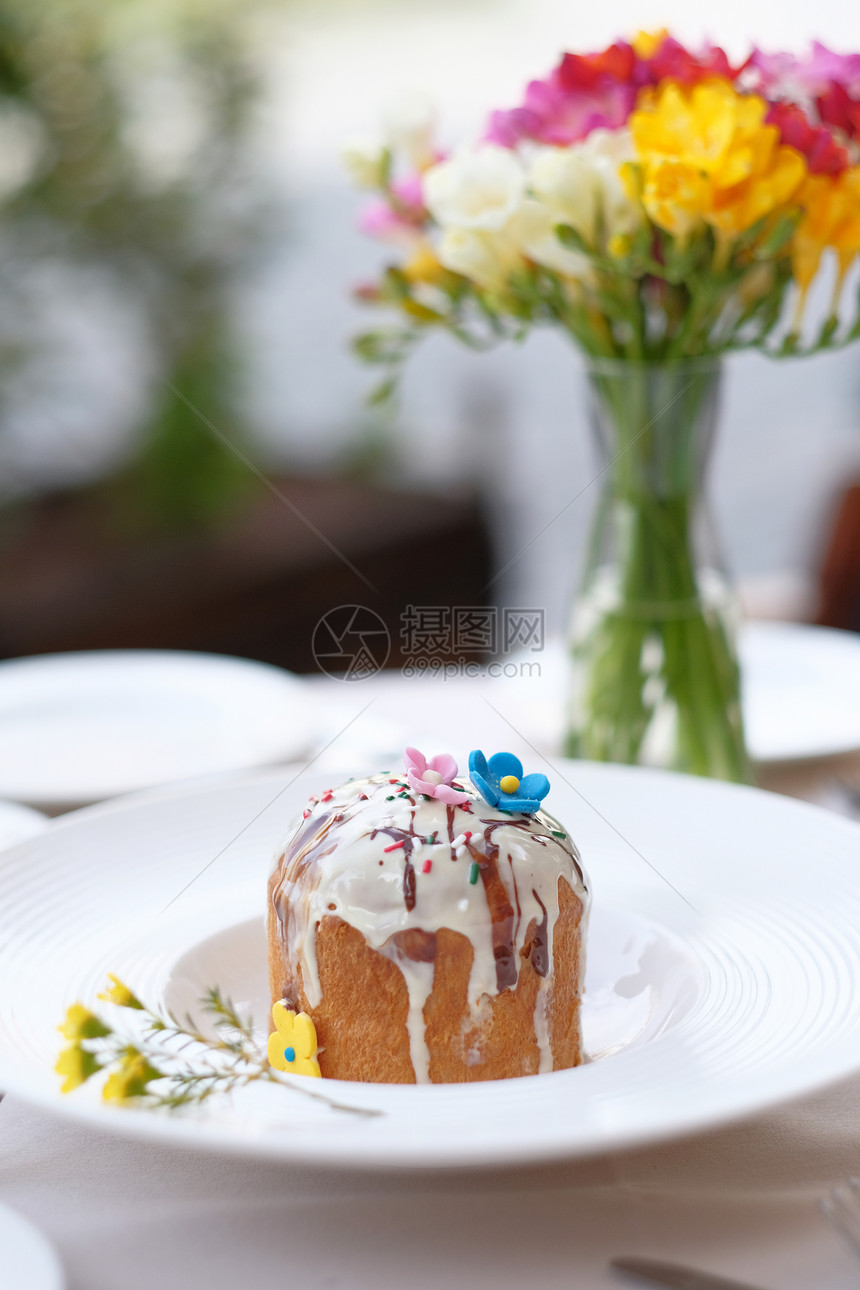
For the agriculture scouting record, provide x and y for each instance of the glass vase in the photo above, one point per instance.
(653, 638)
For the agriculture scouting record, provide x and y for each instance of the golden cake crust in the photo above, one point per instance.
(361, 1018)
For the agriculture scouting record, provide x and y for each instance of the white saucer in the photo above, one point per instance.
(27, 1261)
(18, 822)
(78, 728)
(722, 987)
(801, 691)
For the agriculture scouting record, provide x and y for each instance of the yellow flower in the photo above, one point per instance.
(119, 993)
(76, 1065)
(130, 1079)
(293, 1046)
(423, 265)
(646, 43)
(831, 218)
(80, 1023)
(706, 154)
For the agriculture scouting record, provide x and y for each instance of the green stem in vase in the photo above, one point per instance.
(658, 676)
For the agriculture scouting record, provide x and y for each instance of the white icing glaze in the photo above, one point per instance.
(542, 1029)
(343, 859)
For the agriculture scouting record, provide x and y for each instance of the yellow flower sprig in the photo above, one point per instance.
(167, 1064)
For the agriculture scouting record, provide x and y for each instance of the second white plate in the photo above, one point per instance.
(77, 728)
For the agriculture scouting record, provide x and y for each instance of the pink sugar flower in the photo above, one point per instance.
(434, 777)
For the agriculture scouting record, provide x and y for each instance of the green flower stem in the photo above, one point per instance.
(658, 643)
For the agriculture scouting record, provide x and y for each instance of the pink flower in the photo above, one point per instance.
(598, 91)
(823, 154)
(410, 196)
(784, 75)
(400, 216)
(381, 220)
(433, 778)
(841, 110)
(671, 60)
(555, 115)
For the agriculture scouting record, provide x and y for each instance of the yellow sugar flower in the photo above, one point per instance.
(831, 218)
(76, 1066)
(293, 1046)
(706, 154)
(80, 1023)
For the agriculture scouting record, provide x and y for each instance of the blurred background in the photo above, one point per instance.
(186, 455)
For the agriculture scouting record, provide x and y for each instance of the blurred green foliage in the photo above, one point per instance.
(127, 142)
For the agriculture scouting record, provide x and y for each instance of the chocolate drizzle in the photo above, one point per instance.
(408, 840)
(540, 944)
(500, 907)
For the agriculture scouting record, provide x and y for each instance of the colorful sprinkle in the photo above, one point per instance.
(431, 841)
(473, 873)
(390, 799)
(427, 866)
(289, 1054)
(556, 834)
(395, 846)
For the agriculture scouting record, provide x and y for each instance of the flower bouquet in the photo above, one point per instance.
(663, 207)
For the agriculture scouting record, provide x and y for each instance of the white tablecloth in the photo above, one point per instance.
(132, 1216)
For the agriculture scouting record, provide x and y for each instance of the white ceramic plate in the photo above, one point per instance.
(801, 694)
(18, 822)
(77, 728)
(697, 1013)
(801, 691)
(26, 1258)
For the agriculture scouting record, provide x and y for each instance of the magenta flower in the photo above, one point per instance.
(823, 154)
(434, 777)
(784, 74)
(379, 219)
(557, 115)
(398, 216)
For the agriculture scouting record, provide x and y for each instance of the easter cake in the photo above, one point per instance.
(428, 929)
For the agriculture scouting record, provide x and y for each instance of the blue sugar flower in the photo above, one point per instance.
(501, 782)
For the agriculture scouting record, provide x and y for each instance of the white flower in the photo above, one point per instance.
(580, 183)
(485, 258)
(534, 229)
(365, 163)
(409, 127)
(480, 189)
(563, 181)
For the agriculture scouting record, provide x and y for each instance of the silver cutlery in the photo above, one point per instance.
(842, 1210)
(676, 1277)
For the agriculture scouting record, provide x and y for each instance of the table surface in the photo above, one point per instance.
(742, 1201)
